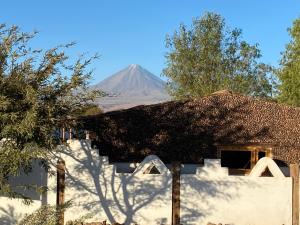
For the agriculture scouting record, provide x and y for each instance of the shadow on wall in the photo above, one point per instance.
(8, 215)
(198, 189)
(126, 198)
(212, 196)
(140, 198)
(35, 178)
(11, 210)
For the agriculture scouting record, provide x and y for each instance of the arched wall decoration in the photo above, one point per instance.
(261, 166)
(148, 163)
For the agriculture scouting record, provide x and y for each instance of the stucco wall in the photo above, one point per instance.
(12, 210)
(97, 189)
(208, 193)
(211, 195)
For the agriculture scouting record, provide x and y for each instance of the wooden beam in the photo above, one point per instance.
(70, 133)
(63, 134)
(294, 173)
(249, 147)
(60, 192)
(253, 160)
(176, 167)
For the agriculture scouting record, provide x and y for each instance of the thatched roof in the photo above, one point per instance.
(191, 130)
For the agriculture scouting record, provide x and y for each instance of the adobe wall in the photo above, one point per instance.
(211, 195)
(208, 193)
(96, 189)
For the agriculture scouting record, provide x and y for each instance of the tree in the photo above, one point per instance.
(289, 71)
(89, 110)
(211, 57)
(39, 93)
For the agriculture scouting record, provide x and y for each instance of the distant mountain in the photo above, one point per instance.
(130, 87)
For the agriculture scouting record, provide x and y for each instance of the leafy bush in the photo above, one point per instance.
(45, 215)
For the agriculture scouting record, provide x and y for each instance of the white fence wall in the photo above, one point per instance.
(97, 189)
(209, 195)
(12, 210)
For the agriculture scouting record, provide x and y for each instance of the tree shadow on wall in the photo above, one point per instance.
(123, 197)
(126, 198)
(26, 185)
(9, 215)
(202, 197)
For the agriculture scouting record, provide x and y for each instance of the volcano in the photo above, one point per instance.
(131, 87)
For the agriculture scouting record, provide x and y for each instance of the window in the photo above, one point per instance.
(241, 159)
(236, 159)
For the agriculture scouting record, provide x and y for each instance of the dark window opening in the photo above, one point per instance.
(236, 159)
(261, 155)
(152, 170)
(241, 159)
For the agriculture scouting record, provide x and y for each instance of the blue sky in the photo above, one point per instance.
(133, 31)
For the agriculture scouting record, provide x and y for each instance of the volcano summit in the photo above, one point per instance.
(130, 87)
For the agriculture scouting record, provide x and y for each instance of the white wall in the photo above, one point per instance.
(96, 188)
(12, 210)
(208, 193)
(213, 196)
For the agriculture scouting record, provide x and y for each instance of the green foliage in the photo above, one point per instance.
(289, 72)
(48, 215)
(79, 221)
(89, 110)
(211, 57)
(39, 92)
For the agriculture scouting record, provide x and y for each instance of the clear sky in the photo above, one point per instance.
(133, 31)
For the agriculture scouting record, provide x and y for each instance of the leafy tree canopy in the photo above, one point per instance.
(211, 57)
(39, 92)
(289, 71)
(89, 110)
